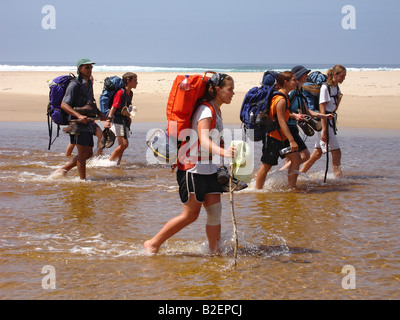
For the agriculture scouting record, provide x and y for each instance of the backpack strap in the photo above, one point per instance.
(187, 164)
(287, 106)
(329, 91)
(298, 95)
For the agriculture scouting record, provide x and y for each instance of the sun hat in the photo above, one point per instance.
(300, 71)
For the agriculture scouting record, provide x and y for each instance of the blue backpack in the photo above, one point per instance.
(312, 87)
(254, 112)
(58, 86)
(111, 86)
(55, 114)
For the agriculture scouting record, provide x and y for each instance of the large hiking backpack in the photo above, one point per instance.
(182, 103)
(254, 112)
(110, 88)
(180, 107)
(312, 88)
(55, 114)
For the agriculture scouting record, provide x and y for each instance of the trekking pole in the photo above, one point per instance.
(87, 119)
(235, 249)
(327, 153)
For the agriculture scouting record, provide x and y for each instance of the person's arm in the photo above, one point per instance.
(71, 111)
(319, 115)
(66, 104)
(280, 112)
(203, 128)
(338, 99)
(324, 98)
(324, 122)
(115, 105)
(297, 116)
(110, 115)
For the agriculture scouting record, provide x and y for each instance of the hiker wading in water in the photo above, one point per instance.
(79, 99)
(198, 185)
(329, 101)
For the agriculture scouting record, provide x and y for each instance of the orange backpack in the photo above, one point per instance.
(182, 103)
(180, 107)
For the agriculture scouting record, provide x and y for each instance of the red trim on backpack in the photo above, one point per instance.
(186, 165)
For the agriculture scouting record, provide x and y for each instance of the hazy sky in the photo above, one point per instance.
(205, 31)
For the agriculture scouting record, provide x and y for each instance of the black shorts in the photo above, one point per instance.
(199, 184)
(271, 148)
(294, 130)
(83, 139)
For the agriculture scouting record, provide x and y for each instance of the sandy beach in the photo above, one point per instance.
(371, 98)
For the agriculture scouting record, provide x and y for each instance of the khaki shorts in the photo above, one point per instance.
(120, 130)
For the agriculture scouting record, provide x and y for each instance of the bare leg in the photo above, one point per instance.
(213, 232)
(99, 135)
(69, 150)
(119, 150)
(84, 153)
(262, 175)
(317, 153)
(189, 214)
(336, 158)
(304, 156)
(293, 172)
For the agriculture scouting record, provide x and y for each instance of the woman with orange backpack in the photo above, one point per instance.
(198, 182)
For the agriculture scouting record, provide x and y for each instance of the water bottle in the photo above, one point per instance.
(185, 85)
(285, 151)
(251, 118)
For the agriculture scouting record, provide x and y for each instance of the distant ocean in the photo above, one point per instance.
(189, 68)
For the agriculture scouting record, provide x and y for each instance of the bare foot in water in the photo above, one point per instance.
(149, 247)
(59, 173)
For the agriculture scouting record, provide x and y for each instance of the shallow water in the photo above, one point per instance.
(292, 245)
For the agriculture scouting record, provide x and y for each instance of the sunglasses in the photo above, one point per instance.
(87, 67)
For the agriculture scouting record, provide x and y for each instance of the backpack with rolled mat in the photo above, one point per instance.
(183, 100)
(312, 88)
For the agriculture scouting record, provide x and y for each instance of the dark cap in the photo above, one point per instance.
(299, 71)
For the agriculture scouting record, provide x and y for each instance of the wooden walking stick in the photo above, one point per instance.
(235, 250)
